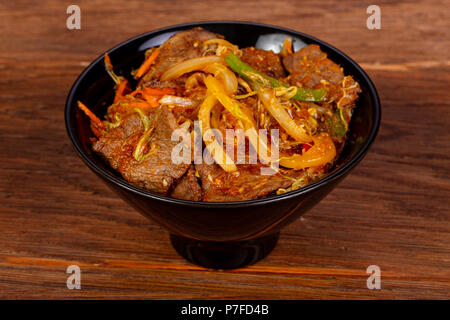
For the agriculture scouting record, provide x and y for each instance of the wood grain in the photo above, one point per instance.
(392, 211)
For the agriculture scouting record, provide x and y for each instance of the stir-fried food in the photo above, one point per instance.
(209, 121)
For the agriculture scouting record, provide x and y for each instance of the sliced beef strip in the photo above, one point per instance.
(310, 68)
(244, 184)
(188, 187)
(181, 46)
(155, 173)
(110, 144)
(264, 61)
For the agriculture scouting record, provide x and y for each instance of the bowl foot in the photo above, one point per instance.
(224, 255)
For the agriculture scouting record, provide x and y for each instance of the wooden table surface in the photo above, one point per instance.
(391, 211)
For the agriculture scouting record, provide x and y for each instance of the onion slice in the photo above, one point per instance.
(277, 111)
(190, 65)
(224, 43)
(194, 80)
(179, 101)
(224, 75)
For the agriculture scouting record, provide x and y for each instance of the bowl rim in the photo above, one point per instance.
(256, 202)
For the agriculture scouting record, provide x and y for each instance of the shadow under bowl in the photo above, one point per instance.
(211, 234)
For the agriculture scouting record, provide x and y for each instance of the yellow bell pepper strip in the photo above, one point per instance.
(218, 91)
(322, 152)
(216, 150)
(216, 88)
(258, 79)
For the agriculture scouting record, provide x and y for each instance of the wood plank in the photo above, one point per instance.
(392, 211)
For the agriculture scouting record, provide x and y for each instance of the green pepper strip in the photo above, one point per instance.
(257, 79)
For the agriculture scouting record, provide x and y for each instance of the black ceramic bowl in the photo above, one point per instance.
(231, 234)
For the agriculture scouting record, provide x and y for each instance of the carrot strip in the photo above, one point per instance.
(153, 101)
(137, 105)
(108, 63)
(96, 131)
(159, 91)
(142, 105)
(120, 90)
(152, 95)
(135, 92)
(288, 44)
(91, 115)
(146, 65)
